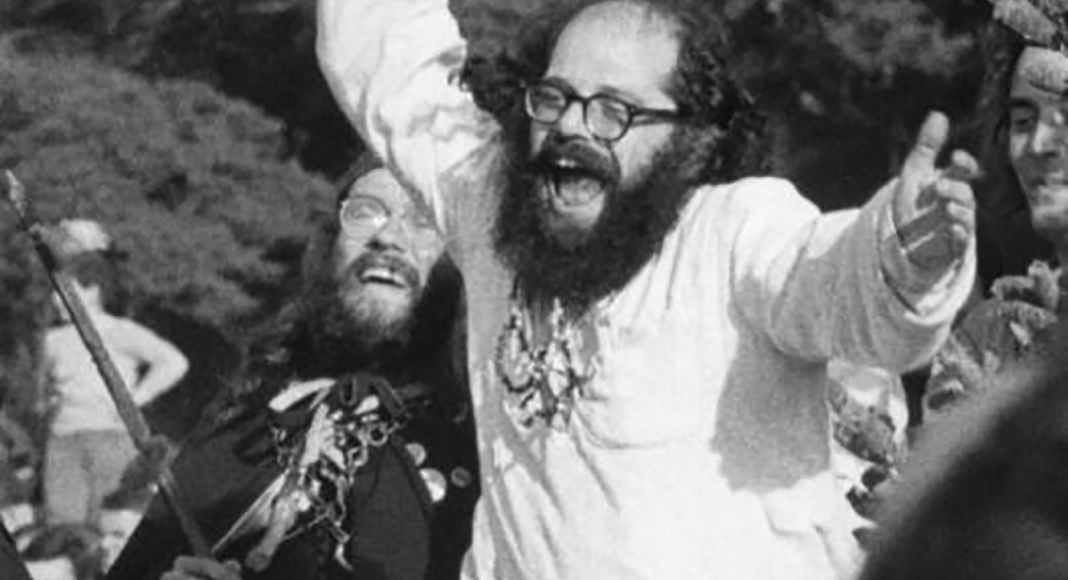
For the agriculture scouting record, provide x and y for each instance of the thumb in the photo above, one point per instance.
(929, 142)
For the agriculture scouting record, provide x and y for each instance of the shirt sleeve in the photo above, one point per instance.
(921, 290)
(394, 68)
(819, 284)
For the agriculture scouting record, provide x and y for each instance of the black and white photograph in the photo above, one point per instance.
(533, 289)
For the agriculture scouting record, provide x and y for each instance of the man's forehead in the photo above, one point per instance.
(380, 183)
(1042, 70)
(618, 45)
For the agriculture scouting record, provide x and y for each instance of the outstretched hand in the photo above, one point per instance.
(193, 568)
(934, 208)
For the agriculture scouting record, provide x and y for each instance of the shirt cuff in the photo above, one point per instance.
(921, 290)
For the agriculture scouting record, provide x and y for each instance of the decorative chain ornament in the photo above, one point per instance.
(542, 382)
(320, 466)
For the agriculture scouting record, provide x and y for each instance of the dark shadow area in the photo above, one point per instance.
(213, 358)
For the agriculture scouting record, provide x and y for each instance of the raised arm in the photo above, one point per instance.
(393, 66)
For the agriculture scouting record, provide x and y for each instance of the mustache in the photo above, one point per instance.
(381, 259)
(586, 159)
(630, 232)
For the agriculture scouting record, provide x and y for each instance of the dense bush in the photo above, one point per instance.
(190, 182)
(192, 185)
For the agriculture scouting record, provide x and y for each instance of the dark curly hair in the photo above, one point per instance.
(705, 89)
(1008, 244)
(1000, 49)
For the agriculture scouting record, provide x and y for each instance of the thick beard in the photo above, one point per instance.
(630, 231)
(317, 336)
(352, 330)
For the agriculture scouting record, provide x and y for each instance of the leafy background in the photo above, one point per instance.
(201, 134)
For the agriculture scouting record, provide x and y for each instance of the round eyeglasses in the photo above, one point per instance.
(364, 216)
(606, 117)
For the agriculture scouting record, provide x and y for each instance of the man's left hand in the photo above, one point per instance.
(934, 208)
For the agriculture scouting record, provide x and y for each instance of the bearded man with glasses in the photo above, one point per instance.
(648, 331)
(347, 449)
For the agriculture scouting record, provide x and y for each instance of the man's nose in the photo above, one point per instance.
(393, 234)
(1049, 137)
(572, 121)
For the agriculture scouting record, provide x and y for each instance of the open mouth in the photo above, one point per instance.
(385, 271)
(382, 275)
(573, 189)
(573, 181)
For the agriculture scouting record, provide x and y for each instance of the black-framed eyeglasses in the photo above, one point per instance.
(363, 215)
(606, 117)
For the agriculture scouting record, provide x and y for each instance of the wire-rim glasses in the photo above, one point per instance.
(606, 117)
(363, 215)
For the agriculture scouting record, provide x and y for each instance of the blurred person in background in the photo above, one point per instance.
(88, 447)
(1025, 106)
(347, 449)
(1009, 241)
(983, 496)
(649, 330)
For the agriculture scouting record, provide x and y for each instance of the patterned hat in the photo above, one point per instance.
(1040, 22)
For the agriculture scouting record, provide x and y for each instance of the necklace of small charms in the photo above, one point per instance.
(542, 381)
(344, 444)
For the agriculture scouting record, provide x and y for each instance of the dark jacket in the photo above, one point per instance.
(11, 567)
(397, 531)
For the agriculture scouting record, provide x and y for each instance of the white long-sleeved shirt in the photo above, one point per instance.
(700, 447)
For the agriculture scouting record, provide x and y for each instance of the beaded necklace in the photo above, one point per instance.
(542, 382)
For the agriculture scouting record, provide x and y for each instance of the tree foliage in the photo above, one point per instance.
(191, 184)
(194, 186)
(845, 82)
